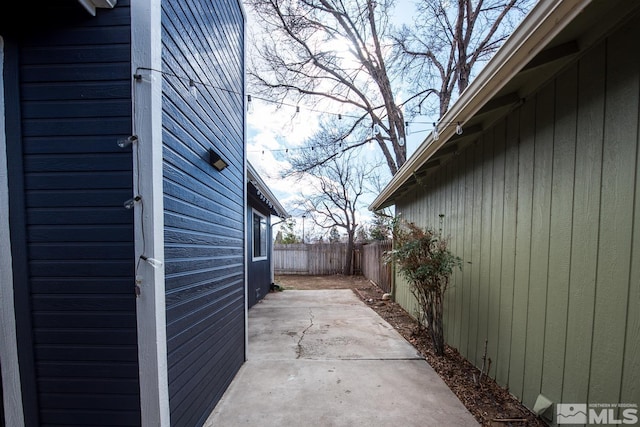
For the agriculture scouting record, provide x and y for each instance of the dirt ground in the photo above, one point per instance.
(489, 403)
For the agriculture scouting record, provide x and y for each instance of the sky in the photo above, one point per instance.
(271, 129)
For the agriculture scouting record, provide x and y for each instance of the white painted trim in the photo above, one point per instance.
(149, 221)
(245, 178)
(254, 258)
(11, 386)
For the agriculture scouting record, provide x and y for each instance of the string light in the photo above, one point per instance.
(125, 142)
(131, 202)
(155, 263)
(193, 89)
(249, 104)
(192, 83)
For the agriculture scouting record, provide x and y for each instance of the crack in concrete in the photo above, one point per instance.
(299, 348)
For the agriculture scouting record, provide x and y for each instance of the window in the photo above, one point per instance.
(259, 236)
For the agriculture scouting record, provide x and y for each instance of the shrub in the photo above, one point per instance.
(424, 260)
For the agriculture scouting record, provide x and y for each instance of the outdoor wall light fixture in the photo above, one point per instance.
(216, 161)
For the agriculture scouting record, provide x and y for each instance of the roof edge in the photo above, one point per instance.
(545, 21)
(253, 176)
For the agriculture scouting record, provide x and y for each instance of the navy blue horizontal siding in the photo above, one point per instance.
(75, 95)
(204, 208)
(88, 371)
(258, 271)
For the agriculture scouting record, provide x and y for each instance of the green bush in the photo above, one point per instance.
(422, 257)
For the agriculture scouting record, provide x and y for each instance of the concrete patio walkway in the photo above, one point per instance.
(323, 358)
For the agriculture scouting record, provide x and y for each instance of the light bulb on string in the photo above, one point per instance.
(148, 77)
(436, 135)
(129, 204)
(249, 104)
(155, 263)
(375, 130)
(402, 141)
(459, 129)
(193, 89)
(406, 128)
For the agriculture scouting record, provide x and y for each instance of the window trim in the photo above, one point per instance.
(259, 214)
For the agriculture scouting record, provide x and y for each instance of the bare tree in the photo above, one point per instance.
(336, 54)
(449, 39)
(332, 53)
(339, 184)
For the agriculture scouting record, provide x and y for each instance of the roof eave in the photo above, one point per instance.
(545, 21)
(254, 177)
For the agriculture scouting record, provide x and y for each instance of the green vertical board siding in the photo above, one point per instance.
(484, 283)
(507, 274)
(449, 226)
(476, 228)
(560, 234)
(544, 210)
(467, 250)
(495, 271)
(523, 248)
(586, 208)
(458, 235)
(630, 384)
(540, 219)
(616, 217)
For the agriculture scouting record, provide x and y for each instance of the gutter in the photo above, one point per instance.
(544, 22)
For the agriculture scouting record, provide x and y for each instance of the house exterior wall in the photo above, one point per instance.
(204, 209)
(544, 210)
(258, 270)
(67, 86)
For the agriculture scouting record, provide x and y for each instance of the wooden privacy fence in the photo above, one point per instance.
(373, 266)
(328, 258)
(315, 259)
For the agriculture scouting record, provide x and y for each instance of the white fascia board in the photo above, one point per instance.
(146, 90)
(10, 375)
(92, 5)
(252, 175)
(541, 25)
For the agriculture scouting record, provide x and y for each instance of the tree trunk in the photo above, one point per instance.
(349, 256)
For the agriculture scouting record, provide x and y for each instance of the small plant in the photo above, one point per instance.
(424, 260)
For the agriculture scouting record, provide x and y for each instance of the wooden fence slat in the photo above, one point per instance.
(320, 259)
(373, 266)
